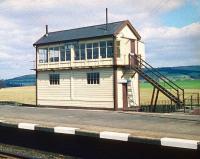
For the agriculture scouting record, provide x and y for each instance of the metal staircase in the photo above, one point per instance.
(160, 82)
(131, 95)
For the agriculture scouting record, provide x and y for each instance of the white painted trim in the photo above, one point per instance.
(65, 130)
(1, 121)
(181, 143)
(122, 81)
(114, 135)
(28, 126)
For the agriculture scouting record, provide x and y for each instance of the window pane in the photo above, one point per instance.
(56, 54)
(103, 49)
(102, 44)
(103, 52)
(110, 43)
(82, 46)
(76, 52)
(43, 55)
(88, 78)
(68, 54)
(62, 53)
(82, 54)
(89, 51)
(89, 45)
(110, 52)
(51, 55)
(95, 53)
(95, 45)
(93, 78)
(54, 79)
(82, 51)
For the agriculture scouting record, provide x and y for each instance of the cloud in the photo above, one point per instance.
(22, 23)
(180, 46)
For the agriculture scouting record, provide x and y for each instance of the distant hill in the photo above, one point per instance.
(173, 73)
(180, 73)
(26, 80)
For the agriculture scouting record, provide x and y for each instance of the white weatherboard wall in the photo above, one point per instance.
(74, 90)
(125, 37)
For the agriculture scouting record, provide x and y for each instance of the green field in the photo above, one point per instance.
(186, 84)
(27, 94)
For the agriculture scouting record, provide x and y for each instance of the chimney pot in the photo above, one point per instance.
(47, 32)
(106, 18)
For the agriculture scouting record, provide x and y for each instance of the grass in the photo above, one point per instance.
(27, 94)
(18, 94)
(186, 84)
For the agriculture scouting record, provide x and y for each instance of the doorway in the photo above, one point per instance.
(125, 96)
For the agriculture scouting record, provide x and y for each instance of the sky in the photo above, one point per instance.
(170, 29)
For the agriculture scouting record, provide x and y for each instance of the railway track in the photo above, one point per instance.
(7, 156)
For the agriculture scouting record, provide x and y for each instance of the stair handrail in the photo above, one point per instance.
(136, 56)
(155, 73)
(159, 75)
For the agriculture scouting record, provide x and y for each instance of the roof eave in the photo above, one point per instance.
(63, 41)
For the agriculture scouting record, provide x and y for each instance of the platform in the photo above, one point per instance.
(173, 130)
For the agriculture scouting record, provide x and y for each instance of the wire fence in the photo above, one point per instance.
(191, 101)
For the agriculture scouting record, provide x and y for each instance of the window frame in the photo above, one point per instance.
(43, 54)
(93, 78)
(52, 55)
(54, 79)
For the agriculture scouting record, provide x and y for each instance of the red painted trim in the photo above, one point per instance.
(115, 76)
(36, 89)
(125, 96)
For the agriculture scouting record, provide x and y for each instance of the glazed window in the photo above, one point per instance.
(43, 55)
(109, 49)
(93, 78)
(62, 53)
(68, 54)
(76, 52)
(95, 50)
(54, 54)
(82, 51)
(89, 51)
(54, 79)
(103, 49)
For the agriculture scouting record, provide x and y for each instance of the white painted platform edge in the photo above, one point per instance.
(181, 143)
(28, 126)
(114, 135)
(65, 130)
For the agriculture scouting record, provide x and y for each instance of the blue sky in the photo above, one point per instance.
(169, 28)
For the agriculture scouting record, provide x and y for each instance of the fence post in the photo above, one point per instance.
(191, 102)
(198, 99)
(184, 104)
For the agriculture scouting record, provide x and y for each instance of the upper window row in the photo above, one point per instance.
(102, 49)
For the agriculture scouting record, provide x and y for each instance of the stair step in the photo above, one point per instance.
(155, 83)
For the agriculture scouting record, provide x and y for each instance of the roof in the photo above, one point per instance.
(85, 33)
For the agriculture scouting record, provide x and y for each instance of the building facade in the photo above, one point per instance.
(88, 67)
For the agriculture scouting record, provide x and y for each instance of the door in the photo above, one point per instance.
(134, 60)
(125, 96)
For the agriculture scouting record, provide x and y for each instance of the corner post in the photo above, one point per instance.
(115, 74)
(36, 71)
